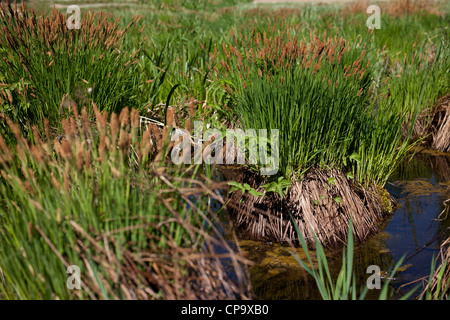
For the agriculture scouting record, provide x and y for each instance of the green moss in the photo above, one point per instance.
(385, 198)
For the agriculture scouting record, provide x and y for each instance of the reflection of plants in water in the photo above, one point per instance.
(344, 287)
(424, 182)
(419, 187)
(276, 274)
(373, 252)
(426, 164)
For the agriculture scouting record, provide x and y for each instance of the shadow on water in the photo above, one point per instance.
(415, 232)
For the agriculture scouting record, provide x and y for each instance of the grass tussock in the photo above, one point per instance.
(42, 61)
(280, 82)
(318, 93)
(96, 198)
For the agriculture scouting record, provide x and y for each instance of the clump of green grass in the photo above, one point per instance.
(318, 93)
(98, 199)
(43, 61)
(420, 76)
(177, 69)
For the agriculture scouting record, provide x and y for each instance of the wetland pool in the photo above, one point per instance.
(415, 231)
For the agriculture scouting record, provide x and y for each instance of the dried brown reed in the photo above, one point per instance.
(322, 202)
(173, 273)
(433, 126)
(439, 287)
(440, 125)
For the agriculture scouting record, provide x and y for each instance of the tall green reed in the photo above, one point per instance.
(344, 287)
(318, 93)
(420, 76)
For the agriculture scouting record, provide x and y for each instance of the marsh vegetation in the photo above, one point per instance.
(87, 116)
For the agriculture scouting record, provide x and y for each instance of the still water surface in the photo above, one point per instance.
(415, 231)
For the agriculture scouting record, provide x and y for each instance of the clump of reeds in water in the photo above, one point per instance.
(94, 196)
(315, 92)
(44, 60)
(339, 142)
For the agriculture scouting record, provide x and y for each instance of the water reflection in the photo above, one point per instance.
(421, 185)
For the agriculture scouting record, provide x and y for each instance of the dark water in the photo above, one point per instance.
(417, 228)
(414, 233)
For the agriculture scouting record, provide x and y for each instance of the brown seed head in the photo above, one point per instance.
(124, 117)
